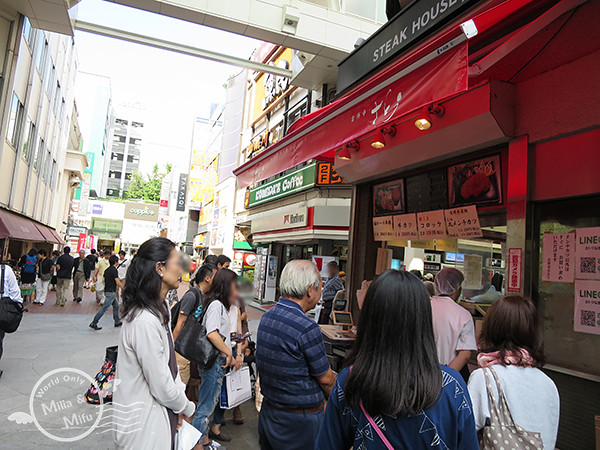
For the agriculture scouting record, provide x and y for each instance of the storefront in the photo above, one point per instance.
(490, 117)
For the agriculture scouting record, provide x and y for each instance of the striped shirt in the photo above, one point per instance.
(290, 354)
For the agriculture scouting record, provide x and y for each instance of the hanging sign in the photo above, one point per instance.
(463, 222)
(383, 228)
(431, 225)
(515, 263)
(405, 227)
(587, 252)
(587, 307)
(81, 241)
(473, 268)
(558, 257)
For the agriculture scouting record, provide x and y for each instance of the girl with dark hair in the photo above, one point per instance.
(149, 388)
(29, 268)
(395, 394)
(512, 347)
(220, 298)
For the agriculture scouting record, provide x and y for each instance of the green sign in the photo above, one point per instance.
(112, 226)
(90, 161)
(299, 180)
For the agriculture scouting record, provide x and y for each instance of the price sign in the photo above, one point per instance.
(431, 225)
(383, 228)
(463, 222)
(405, 227)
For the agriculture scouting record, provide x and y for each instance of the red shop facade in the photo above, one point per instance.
(504, 89)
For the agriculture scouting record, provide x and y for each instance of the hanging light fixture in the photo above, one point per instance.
(425, 120)
(345, 154)
(378, 140)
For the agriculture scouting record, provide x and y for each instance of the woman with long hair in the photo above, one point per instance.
(512, 349)
(148, 390)
(395, 394)
(218, 311)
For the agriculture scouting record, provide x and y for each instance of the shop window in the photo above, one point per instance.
(17, 112)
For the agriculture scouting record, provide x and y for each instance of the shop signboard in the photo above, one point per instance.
(587, 251)
(282, 220)
(141, 211)
(111, 226)
(558, 257)
(75, 231)
(515, 264)
(297, 181)
(587, 307)
(97, 209)
(431, 225)
(412, 25)
(181, 192)
(463, 222)
(327, 176)
(383, 228)
(81, 241)
(405, 227)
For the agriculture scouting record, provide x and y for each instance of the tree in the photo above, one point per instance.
(147, 187)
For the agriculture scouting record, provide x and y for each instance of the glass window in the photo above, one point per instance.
(40, 153)
(365, 9)
(50, 80)
(29, 142)
(56, 99)
(54, 175)
(48, 165)
(15, 121)
(122, 122)
(137, 124)
(27, 31)
(41, 53)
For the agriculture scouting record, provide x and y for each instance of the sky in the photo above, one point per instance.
(172, 88)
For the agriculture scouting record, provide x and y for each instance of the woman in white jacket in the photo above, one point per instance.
(149, 397)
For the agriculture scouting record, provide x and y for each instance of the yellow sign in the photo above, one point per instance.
(268, 88)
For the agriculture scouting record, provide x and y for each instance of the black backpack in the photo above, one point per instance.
(11, 312)
(177, 307)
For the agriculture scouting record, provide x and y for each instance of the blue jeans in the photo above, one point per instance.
(208, 396)
(110, 298)
(278, 429)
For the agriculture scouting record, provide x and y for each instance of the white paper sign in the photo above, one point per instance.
(463, 222)
(588, 253)
(473, 269)
(405, 227)
(587, 307)
(432, 225)
(383, 228)
(559, 257)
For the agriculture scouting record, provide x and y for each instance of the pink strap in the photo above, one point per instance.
(377, 429)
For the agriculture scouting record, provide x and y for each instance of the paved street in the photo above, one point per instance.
(55, 337)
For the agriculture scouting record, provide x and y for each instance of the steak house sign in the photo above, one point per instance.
(411, 25)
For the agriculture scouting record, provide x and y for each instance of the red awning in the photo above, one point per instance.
(432, 72)
(21, 228)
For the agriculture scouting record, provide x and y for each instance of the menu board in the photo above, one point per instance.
(463, 222)
(383, 228)
(431, 225)
(473, 268)
(587, 307)
(588, 253)
(405, 227)
(558, 257)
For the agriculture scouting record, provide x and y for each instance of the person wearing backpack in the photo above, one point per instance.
(9, 288)
(188, 304)
(29, 268)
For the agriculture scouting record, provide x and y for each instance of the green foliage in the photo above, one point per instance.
(147, 187)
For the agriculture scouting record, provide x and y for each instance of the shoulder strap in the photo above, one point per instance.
(503, 406)
(376, 428)
(197, 294)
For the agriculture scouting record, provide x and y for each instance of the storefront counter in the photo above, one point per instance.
(337, 344)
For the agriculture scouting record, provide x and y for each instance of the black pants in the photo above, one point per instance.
(2, 333)
(325, 313)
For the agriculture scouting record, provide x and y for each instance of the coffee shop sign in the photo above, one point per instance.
(142, 212)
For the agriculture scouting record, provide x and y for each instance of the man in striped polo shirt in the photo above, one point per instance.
(295, 376)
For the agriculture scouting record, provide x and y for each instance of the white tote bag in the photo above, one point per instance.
(237, 388)
(187, 437)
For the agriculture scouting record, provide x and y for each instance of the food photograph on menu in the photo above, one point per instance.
(388, 198)
(476, 181)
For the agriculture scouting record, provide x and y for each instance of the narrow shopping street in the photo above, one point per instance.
(51, 337)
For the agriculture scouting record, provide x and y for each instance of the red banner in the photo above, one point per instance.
(81, 241)
(378, 102)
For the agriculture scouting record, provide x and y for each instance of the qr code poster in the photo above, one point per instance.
(587, 251)
(587, 307)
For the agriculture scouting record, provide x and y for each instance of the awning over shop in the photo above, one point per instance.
(21, 228)
(435, 70)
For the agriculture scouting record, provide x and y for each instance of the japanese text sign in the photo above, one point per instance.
(515, 263)
(588, 253)
(405, 227)
(383, 228)
(463, 222)
(587, 307)
(432, 225)
(559, 257)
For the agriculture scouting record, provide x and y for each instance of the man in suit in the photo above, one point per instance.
(82, 272)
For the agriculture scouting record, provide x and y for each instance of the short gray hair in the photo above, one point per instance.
(298, 277)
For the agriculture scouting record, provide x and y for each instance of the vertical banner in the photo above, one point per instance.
(81, 241)
(587, 307)
(515, 264)
(181, 191)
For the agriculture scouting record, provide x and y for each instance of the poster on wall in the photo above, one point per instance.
(558, 257)
(388, 198)
(383, 228)
(515, 263)
(587, 251)
(587, 307)
(478, 181)
(463, 222)
(431, 225)
(405, 227)
(473, 268)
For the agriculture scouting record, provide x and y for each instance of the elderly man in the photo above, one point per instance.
(82, 272)
(452, 324)
(295, 377)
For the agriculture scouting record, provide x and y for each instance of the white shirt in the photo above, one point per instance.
(531, 395)
(122, 268)
(217, 318)
(453, 328)
(11, 287)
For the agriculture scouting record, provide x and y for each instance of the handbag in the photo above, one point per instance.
(104, 379)
(11, 312)
(502, 431)
(236, 388)
(193, 343)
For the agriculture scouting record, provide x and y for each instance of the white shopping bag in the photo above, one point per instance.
(237, 388)
(187, 437)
